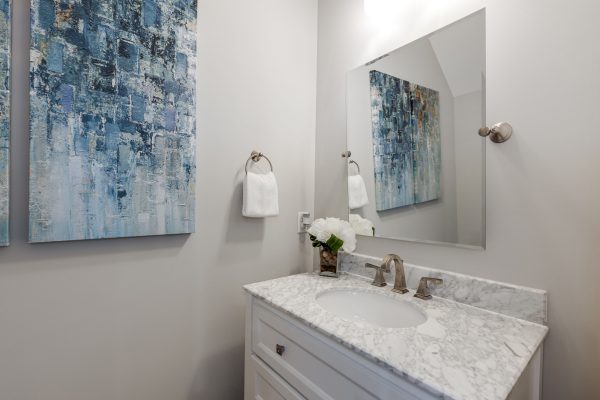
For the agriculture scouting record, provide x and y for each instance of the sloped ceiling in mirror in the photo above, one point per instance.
(460, 50)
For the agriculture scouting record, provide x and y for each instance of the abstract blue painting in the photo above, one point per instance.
(405, 121)
(4, 118)
(112, 141)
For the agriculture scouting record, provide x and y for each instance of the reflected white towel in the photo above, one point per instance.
(357, 192)
(261, 197)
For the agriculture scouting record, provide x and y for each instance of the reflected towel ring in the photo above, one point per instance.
(256, 156)
(355, 163)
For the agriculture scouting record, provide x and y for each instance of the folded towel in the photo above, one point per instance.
(261, 198)
(357, 192)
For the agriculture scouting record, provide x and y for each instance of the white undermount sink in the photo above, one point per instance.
(373, 308)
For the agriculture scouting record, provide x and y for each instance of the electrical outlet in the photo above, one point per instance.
(304, 221)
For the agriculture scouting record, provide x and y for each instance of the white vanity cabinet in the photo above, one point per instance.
(287, 359)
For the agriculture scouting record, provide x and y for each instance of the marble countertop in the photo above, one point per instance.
(461, 352)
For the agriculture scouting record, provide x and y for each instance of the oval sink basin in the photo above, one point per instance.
(375, 309)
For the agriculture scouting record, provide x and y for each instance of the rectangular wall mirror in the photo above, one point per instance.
(417, 165)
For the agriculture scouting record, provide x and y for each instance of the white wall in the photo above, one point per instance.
(543, 212)
(163, 318)
(433, 220)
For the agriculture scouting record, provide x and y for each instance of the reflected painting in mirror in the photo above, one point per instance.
(406, 141)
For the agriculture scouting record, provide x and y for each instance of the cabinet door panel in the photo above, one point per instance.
(270, 386)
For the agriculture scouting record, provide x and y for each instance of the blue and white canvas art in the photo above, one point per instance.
(4, 119)
(112, 141)
(406, 141)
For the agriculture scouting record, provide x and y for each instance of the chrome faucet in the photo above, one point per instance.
(400, 277)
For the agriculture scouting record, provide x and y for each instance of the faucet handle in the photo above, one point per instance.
(423, 289)
(379, 279)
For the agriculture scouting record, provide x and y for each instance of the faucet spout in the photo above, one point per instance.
(400, 277)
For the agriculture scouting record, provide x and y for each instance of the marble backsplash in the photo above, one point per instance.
(516, 301)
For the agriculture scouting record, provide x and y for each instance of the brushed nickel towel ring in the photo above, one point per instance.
(256, 156)
(499, 133)
(355, 163)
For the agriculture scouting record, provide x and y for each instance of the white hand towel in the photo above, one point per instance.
(357, 192)
(261, 197)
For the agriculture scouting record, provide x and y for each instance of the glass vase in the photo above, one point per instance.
(328, 263)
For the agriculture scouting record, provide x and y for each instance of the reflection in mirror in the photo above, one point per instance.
(417, 170)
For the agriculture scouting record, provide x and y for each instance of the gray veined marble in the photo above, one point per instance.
(460, 352)
(517, 301)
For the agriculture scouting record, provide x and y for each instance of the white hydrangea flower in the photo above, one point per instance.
(348, 235)
(323, 228)
(361, 226)
(319, 230)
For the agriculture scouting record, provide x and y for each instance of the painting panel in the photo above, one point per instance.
(427, 147)
(5, 30)
(112, 141)
(392, 141)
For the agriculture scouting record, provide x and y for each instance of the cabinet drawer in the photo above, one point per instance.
(297, 364)
(316, 366)
(270, 386)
